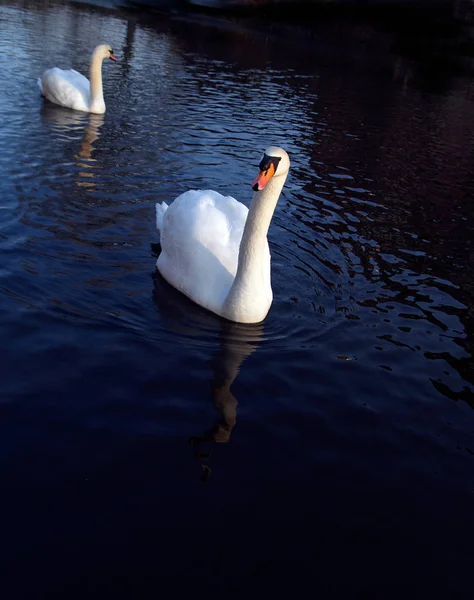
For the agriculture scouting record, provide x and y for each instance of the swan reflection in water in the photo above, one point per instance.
(73, 125)
(196, 326)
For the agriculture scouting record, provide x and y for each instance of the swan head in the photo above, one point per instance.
(275, 163)
(105, 51)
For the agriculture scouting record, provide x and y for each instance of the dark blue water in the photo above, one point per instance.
(141, 436)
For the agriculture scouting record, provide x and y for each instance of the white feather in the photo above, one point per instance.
(72, 90)
(215, 250)
(67, 88)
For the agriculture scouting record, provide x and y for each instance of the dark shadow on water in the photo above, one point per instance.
(233, 343)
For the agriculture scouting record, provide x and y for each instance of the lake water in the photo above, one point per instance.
(141, 436)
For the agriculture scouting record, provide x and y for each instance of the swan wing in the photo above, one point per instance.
(67, 88)
(200, 238)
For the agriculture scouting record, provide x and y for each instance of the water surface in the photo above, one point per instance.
(344, 448)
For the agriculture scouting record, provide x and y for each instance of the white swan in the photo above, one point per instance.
(73, 90)
(215, 250)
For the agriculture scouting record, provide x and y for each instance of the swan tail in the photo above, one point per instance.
(160, 213)
(40, 85)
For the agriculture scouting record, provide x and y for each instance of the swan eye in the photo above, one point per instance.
(267, 161)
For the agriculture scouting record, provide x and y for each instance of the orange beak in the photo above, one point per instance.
(112, 57)
(263, 178)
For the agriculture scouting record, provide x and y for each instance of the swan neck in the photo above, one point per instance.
(97, 94)
(252, 280)
(254, 237)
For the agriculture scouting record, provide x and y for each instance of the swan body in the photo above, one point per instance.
(73, 90)
(215, 250)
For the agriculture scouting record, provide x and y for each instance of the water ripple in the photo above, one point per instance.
(371, 240)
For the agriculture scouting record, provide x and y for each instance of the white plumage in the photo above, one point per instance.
(72, 90)
(215, 250)
(200, 236)
(66, 88)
